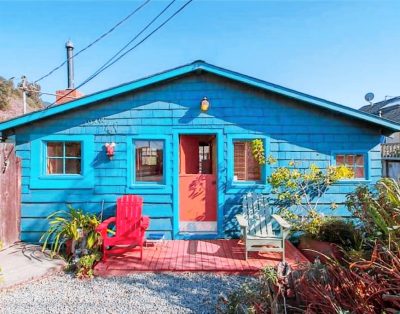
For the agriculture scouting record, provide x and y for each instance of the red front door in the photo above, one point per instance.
(197, 184)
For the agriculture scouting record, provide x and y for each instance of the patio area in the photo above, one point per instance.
(223, 256)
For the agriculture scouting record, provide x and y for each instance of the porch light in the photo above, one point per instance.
(204, 105)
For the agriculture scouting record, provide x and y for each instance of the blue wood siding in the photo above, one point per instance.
(295, 131)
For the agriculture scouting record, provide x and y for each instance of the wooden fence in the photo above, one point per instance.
(10, 195)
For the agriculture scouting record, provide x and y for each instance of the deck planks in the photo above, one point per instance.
(224, 256)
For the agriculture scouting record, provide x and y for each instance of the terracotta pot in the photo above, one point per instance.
(313, 248)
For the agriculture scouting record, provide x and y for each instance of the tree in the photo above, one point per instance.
(6, 92)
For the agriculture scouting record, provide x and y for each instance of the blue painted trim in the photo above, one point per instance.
(220, 172)
(367, 165)
(147, 187)
(40, 180)
(241, 186)
(189, 68)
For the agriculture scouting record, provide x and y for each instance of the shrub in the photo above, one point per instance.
(338, 231)
(297, 193)
(378, 209)
(85, 265)
(256, 297)
(364, 288)
(6, 91)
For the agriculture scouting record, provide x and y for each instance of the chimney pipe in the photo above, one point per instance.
(69, 94)
(70, 63)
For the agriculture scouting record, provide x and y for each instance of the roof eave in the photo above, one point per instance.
(369, 118)
(18, 121)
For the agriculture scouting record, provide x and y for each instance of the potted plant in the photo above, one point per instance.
(70, 227)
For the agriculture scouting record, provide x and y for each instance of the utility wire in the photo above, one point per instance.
(103, 68)
(136, 37)
(96, 40)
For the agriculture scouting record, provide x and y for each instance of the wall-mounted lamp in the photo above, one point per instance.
(110, 150)
(204, 105)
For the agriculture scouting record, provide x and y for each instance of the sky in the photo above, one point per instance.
(336, 50)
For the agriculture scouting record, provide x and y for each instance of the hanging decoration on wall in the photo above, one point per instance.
(110, 150)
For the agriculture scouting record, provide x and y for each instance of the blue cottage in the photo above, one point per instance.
(180, 139)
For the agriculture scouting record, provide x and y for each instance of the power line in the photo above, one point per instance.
(96, 40)
(134, 38)
(98, 71)
(103, 68)
(45, 93)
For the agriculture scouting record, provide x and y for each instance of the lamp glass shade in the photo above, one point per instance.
(205, 104)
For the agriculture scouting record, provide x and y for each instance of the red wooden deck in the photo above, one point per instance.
(226, 256)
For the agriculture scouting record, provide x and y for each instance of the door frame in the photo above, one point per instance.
(219, 177)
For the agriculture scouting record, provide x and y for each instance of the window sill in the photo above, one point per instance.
(245, 186)
(248, 183)
(149, 188)
(352, 181)
(62, 177)
(62, 182)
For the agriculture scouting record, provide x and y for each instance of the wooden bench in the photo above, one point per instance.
(262, 230)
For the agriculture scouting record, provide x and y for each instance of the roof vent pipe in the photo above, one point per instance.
(70, 63)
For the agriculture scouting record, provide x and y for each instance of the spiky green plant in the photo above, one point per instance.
(67, 225)
(379, 209)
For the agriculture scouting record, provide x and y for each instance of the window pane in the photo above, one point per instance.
(359, 160)
(55, 166)
(359, 173)
(354, 162)
(60, 162)
(339, 159)
(246, 168)
(72, 149)
(73, 166)
(205, 162)
(350, 160)
(149, 161)
(55, 149)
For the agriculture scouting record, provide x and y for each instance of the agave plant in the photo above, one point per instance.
(71, 224)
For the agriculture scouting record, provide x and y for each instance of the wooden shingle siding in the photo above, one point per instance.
(296, 131)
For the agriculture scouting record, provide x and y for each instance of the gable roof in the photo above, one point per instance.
(191, 68)
(388, 109)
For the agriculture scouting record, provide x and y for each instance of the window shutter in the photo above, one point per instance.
(253, 168)
(240, 160)
(246, 168)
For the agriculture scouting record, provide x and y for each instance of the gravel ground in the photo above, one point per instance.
(138, 293)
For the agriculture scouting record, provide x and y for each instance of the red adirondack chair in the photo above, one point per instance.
(130, 226)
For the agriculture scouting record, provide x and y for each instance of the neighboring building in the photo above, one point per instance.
(388, 109)
(190, 166)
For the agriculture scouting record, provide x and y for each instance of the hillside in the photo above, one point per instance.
(11, 104)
